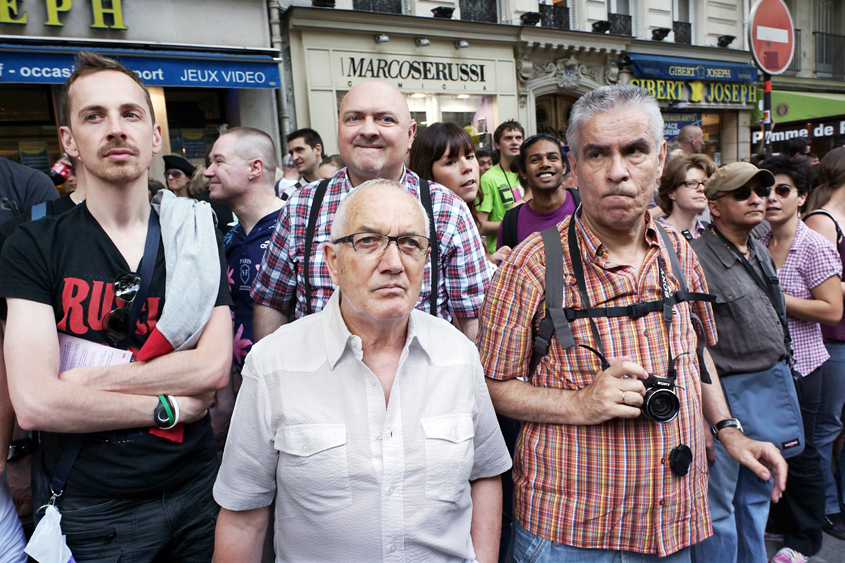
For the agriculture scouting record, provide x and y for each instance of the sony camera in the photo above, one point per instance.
(660, 404)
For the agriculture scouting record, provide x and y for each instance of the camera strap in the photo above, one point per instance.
(556, 321)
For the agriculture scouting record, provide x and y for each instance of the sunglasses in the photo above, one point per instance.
(743, 193)
(116, 322)
(174, 174)
(783, 190)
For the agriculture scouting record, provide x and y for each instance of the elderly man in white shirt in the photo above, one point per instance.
(370, 421)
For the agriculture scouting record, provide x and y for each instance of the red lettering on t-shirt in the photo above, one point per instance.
(100, 304)
(74, 293)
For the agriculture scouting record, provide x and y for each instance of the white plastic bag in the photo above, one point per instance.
(47, 544)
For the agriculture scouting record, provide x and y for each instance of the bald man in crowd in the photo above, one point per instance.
(691, 139)
(375, 133)
(373, 415)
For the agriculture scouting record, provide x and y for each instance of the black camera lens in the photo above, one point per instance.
(661, 405)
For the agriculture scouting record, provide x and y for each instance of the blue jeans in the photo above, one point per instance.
(528, 548)
(828, 422)
(177, 526)
(739, 508)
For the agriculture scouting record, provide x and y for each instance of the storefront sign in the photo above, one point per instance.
(835, 128)
(12, 12)
(210, 72)
(415, 72)
(674, 122)
(35, 156)
(669, 68)
(698, 92)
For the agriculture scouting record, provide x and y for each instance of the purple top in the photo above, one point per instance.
(529, 221)
(699, 226)
(811, 260)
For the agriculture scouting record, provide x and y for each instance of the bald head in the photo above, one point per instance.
(375, 132)
(250, 143)
(691, 139)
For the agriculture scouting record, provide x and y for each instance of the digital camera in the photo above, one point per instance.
(660, 404)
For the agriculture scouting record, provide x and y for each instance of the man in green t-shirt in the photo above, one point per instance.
(499, 186)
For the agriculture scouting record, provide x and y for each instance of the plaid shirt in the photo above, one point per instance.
(811, 260)
(464, 268)
(604, 486)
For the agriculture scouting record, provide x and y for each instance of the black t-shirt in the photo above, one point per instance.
(69, 263)
(21, 187)
(52, 208)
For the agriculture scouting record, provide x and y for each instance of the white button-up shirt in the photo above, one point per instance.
(353, 480)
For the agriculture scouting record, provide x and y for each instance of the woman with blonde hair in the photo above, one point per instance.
(681, 192)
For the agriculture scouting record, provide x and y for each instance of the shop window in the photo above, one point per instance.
(194, 116)
(28, 129)
(711, 125)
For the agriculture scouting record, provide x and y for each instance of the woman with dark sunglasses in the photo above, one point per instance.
(681, 192)
(826, 215)
(809, 270)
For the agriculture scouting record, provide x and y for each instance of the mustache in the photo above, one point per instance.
(377, 143)
(117, 144)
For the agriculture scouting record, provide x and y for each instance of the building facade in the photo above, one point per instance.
(206, 63)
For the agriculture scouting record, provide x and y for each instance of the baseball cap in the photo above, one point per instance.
(733, 176)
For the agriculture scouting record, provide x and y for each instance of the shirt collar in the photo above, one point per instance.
(597, 252)
(726, 255)
(338, 339)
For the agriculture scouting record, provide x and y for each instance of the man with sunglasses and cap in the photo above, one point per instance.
(751, 340)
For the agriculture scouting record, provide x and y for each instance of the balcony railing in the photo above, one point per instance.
(620, 24)
(554, 16)
(795, 65)
(829, 53)
(383, 6)
(683, 32)
(479, 11)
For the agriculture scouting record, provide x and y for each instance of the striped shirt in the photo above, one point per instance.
(605, 486)
(811, 261)
(464, 268)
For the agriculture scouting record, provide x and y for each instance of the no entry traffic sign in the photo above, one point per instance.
(771, 35)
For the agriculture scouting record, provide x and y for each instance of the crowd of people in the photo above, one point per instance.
(591, 350)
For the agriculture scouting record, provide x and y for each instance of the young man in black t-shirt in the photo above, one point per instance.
(133, 491)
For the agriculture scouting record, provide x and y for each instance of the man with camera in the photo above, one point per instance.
(593, 478)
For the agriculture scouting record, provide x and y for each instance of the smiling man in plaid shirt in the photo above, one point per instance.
(375, 132)
(593, 479)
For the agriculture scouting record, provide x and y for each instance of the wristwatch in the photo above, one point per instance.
(727, 423)
(160, 416)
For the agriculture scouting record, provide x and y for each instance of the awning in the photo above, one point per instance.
(800, 106)
(671, 68)
(54, 64)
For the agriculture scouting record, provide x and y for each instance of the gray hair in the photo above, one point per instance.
(341, 221)
(607, 98)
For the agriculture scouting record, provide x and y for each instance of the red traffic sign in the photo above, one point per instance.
(771, 35)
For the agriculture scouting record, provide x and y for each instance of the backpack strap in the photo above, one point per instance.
(576, 196)
(313, 215)
(509, 224)
(38, 211)
(554, 322)
(425, 198)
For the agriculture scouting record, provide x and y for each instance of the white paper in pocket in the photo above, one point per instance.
(47, 544)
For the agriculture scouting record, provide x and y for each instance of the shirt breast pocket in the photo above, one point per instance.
(449, 454)
(735, 299)
(313, 468)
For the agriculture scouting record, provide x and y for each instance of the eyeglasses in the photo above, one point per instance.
(116, 322)
(743, 193)
(173, 174)
(783, 190)
(376, 243)
(692, 184)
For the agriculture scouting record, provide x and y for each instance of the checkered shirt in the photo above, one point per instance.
(464, 268)
(604, 486)
(811, 260)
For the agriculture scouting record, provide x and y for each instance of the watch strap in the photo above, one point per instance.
(727, 423)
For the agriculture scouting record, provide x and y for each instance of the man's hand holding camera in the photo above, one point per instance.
(616, 392)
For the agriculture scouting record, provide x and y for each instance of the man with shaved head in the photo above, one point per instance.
(368, 422)
(691, 139)
(375, 133)
(241, 175)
